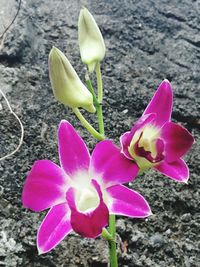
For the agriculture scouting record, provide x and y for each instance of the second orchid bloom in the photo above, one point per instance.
(155, 141)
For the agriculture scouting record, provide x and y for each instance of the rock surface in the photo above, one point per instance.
(146, 42)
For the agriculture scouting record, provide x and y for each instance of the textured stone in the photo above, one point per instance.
(146, 42)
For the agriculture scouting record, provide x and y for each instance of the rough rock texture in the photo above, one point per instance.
(146, 42)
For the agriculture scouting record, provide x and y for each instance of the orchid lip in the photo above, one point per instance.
(148, 154)
(146, 146)
(86, 199)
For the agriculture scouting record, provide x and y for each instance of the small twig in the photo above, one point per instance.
(21, 126)
(13, 20)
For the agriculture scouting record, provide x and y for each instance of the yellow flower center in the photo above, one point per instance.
(144, 138)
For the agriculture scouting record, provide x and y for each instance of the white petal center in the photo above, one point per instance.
(87, 199)
(86, 196)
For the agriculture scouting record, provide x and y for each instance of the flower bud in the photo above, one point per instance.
(91, 43)
(67, 87)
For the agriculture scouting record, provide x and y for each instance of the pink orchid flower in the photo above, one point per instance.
(83, 191)
(155, 141)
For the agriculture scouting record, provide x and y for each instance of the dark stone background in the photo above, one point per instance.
(146, 42)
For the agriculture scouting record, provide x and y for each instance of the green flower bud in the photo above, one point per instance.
(67, 87)
(91, 43)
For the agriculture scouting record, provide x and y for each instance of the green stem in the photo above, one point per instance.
(112, 225)
(111, 234)
(97, 104)
(112, 244)
(100, 119)
(90, 88)
(100, 98)
(87, 125)
(99, 83)
(106, 235)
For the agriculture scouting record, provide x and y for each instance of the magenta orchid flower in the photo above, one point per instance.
(155, 141)
(83, 191)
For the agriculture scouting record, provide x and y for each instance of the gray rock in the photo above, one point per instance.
(146, 42)
(157, 240)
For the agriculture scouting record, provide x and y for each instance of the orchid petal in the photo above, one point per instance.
(55, 226)
(124, 201)
(45, 186)
(91, 223)
(161, 103)
(74, 155)
(176, 170)
(177, 141)
(124, 141)
(109, 162)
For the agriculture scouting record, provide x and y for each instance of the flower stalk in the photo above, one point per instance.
(112, 244)
(110, 235)
(97, 102)
(87, 125)
(112, 221)
(100, 98)
(99, 83)
(107, 236)
(90, 88)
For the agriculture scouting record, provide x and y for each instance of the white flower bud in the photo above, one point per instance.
(91, 43)
(67, 87)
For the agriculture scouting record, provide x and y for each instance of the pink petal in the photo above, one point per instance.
(45, 186)
(55, 226)
(125, 142)
(126, 138)
(143, 121)
(88, 224)
(127, 202)
(176, 170)
(161, 103)
(177, 141)
(74, 155)
(110, 163)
